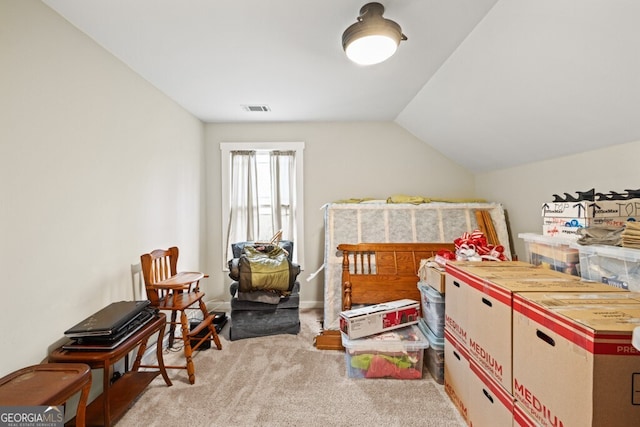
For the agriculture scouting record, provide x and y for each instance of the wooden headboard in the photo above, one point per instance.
(374, 273)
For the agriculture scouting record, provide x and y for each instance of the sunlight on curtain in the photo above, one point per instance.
(283, 193)
(243, 207)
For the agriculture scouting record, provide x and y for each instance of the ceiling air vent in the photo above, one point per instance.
(253, 108)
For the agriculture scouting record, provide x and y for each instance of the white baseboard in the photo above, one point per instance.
(226, 305)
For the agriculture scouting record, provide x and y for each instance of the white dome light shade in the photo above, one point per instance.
(372, 39)
(371, 50)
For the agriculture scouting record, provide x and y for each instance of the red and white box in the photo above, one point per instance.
(489, 403)
(488, 300)
(374, 319)
(576, 366)
(457, 372)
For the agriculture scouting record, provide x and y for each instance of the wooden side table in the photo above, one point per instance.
(116, 398)
(49, 384)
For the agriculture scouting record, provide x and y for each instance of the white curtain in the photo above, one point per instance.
(283, 193)
(243, 206)
(246, 221)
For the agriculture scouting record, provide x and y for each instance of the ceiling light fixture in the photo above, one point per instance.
(373, 39)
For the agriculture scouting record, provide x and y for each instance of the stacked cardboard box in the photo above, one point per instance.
(565, 218)
(573, 358)
(479, 331)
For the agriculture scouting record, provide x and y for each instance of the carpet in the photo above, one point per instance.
(284, 380)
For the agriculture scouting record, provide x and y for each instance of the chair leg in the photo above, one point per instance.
(187, 347)
(172, 328)
(212, 328)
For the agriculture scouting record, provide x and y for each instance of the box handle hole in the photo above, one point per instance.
(486, 393)
(487, 302)
(456, 284)
(546, 338)
(456, 355)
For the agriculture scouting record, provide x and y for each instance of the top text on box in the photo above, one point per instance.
(606, 208)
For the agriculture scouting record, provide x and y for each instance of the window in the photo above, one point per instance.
(262, 194)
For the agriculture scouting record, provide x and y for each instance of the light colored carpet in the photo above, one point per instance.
(284, 380)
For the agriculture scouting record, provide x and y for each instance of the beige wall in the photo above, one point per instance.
(522, 190)
(96, 167)
(341, 161)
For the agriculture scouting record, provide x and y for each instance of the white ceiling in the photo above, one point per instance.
(489, 83)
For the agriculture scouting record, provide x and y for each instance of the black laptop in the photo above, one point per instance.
(109, 327)
(110, 321)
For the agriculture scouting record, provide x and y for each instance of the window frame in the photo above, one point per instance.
(225, 170)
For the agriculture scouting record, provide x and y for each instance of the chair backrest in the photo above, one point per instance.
(158, 265)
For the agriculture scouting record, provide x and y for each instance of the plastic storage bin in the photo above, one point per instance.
(395, 354)
(432, 309)
(434, 354)
(613, 265)
(555, 253)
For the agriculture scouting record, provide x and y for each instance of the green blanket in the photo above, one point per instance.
(266, 268)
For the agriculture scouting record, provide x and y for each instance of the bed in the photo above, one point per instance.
(373, 273)
(382, 222)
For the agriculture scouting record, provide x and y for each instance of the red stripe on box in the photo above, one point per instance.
(521, 418)
(495, 388)
(460, 348)
(616, 344)
(497, 292)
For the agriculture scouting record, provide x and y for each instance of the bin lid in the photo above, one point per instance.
(431, 293)
(434, 341)
(409, 338)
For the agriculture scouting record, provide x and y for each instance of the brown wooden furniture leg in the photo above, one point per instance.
(116, 398)
(49, 384)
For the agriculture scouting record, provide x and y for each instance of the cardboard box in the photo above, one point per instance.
(374, 319)
(615, 266)
(456, 374)
(489, 302)
(530, 272)
(609, 221)
(597, 209)
(436, 279)
(374, 356)
(522, 418)
(489, 403)
(560, 231)
(455, 314)
(576, 366)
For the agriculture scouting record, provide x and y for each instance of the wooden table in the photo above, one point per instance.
(50, 384)
(116, 398)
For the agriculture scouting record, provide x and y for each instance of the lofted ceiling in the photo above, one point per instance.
(489, 83)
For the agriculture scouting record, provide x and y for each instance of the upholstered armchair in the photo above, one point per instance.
(265, 291)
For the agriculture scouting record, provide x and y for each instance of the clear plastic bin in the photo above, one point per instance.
(613, 265)
(395, 354)
(432, 309)
(434, 354)
(555, 253)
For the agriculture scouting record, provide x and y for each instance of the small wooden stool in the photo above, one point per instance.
(47, 384)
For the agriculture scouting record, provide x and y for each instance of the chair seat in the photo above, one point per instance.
(185, 278)
(179, 300)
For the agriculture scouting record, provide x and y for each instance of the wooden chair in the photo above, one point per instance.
(178, 293)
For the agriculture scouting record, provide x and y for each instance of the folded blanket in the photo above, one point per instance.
(264, 268)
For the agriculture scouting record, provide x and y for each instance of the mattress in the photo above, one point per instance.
(394, 223)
